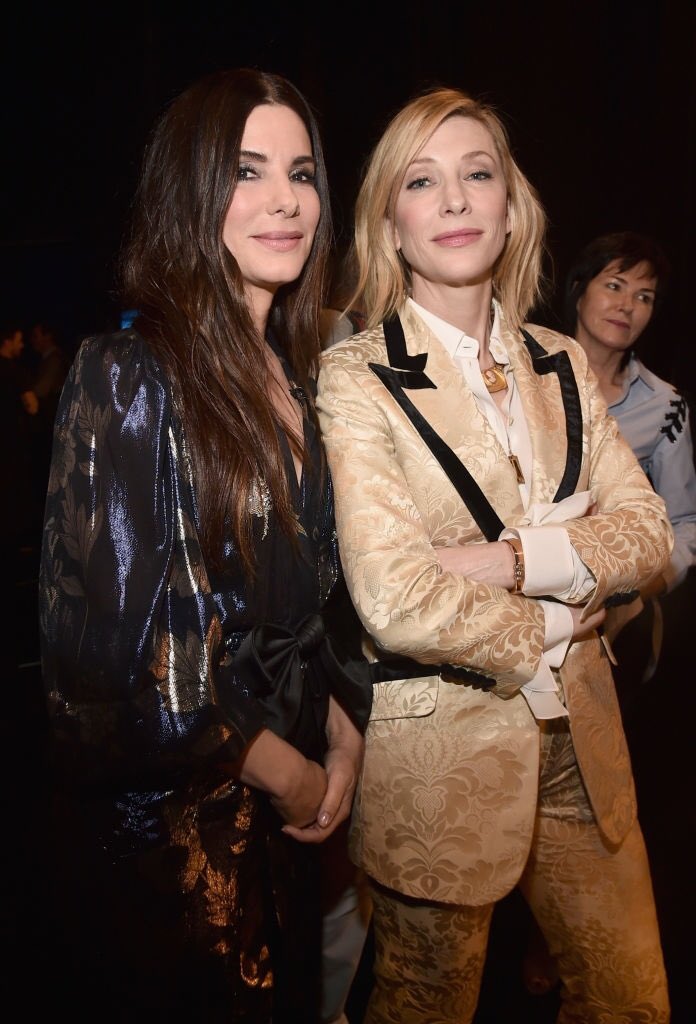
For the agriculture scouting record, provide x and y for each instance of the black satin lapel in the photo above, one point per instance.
(460, 477)
(405, 369)
(560, 363)
(396, 347)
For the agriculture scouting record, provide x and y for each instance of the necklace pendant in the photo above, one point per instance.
(515, 463)
(494, 378)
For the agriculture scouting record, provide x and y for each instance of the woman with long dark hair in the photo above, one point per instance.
(205, 735)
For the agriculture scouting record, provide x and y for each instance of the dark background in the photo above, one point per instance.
(599, 100)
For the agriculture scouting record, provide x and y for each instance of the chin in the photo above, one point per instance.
(286, 272)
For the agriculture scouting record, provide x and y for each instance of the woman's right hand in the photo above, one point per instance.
(583, 627)
(296, 786)
(299, 802)
(343, 761)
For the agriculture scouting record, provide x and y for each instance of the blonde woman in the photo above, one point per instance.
(488, 512)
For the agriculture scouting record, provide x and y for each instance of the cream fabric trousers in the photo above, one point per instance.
(595, 907)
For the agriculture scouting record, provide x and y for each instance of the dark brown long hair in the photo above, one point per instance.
(189, 294)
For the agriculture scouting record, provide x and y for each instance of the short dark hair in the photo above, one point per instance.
(629, 248)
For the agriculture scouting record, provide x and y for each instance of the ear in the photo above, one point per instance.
(508, 218)
(578, 304)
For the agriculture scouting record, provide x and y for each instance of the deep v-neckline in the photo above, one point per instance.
(294, 469)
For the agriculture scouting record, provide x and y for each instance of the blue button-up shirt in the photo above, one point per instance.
(654, 419)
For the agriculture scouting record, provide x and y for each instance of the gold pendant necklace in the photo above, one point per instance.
(494, 378)
(515, 463)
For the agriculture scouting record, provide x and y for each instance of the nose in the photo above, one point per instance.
(455, 198)
(626, 303)
(283, 200)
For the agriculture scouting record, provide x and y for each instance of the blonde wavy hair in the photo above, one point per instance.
(382, 276)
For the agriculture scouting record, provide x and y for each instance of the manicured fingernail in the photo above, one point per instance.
(324, 819)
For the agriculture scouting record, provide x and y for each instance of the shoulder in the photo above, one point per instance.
(121, 371)
(661, 387)
(665, 402)
(122, 356)
(117, 348)
(553, 341)
(55, 356)
(356, 351)
(369, 346)
(656, 398)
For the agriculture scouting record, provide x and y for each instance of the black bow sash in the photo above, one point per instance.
(292, 675)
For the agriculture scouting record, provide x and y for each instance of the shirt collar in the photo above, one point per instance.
(636, 369)
(456, 341)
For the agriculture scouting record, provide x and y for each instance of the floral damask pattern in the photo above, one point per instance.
(614, 971)
(429, 958)
(448, 805)
(443, 797)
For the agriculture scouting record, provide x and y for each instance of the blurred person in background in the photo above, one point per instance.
(18, 409)
(51, 365)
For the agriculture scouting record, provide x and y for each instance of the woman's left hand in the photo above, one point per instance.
(342, 764)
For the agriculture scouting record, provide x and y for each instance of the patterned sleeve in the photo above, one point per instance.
(130, 637)
(629, 540)
(673, 476)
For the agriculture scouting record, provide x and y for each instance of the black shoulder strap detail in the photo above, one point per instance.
(560, 363)
(675, 418)
(460, 477)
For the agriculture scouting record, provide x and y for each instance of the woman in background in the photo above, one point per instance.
(613, 290)
(205, 737)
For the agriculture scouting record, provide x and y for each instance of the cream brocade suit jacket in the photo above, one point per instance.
(446, 802)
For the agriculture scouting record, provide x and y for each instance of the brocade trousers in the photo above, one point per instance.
(595, 907)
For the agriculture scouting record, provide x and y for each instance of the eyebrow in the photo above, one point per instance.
(431, 160)
(642, 288)
(251, 154)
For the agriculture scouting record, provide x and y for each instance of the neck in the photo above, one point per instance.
(604, 362)
(259, 300)
(466, 307)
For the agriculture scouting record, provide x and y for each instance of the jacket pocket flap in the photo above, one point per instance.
(404, 698)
